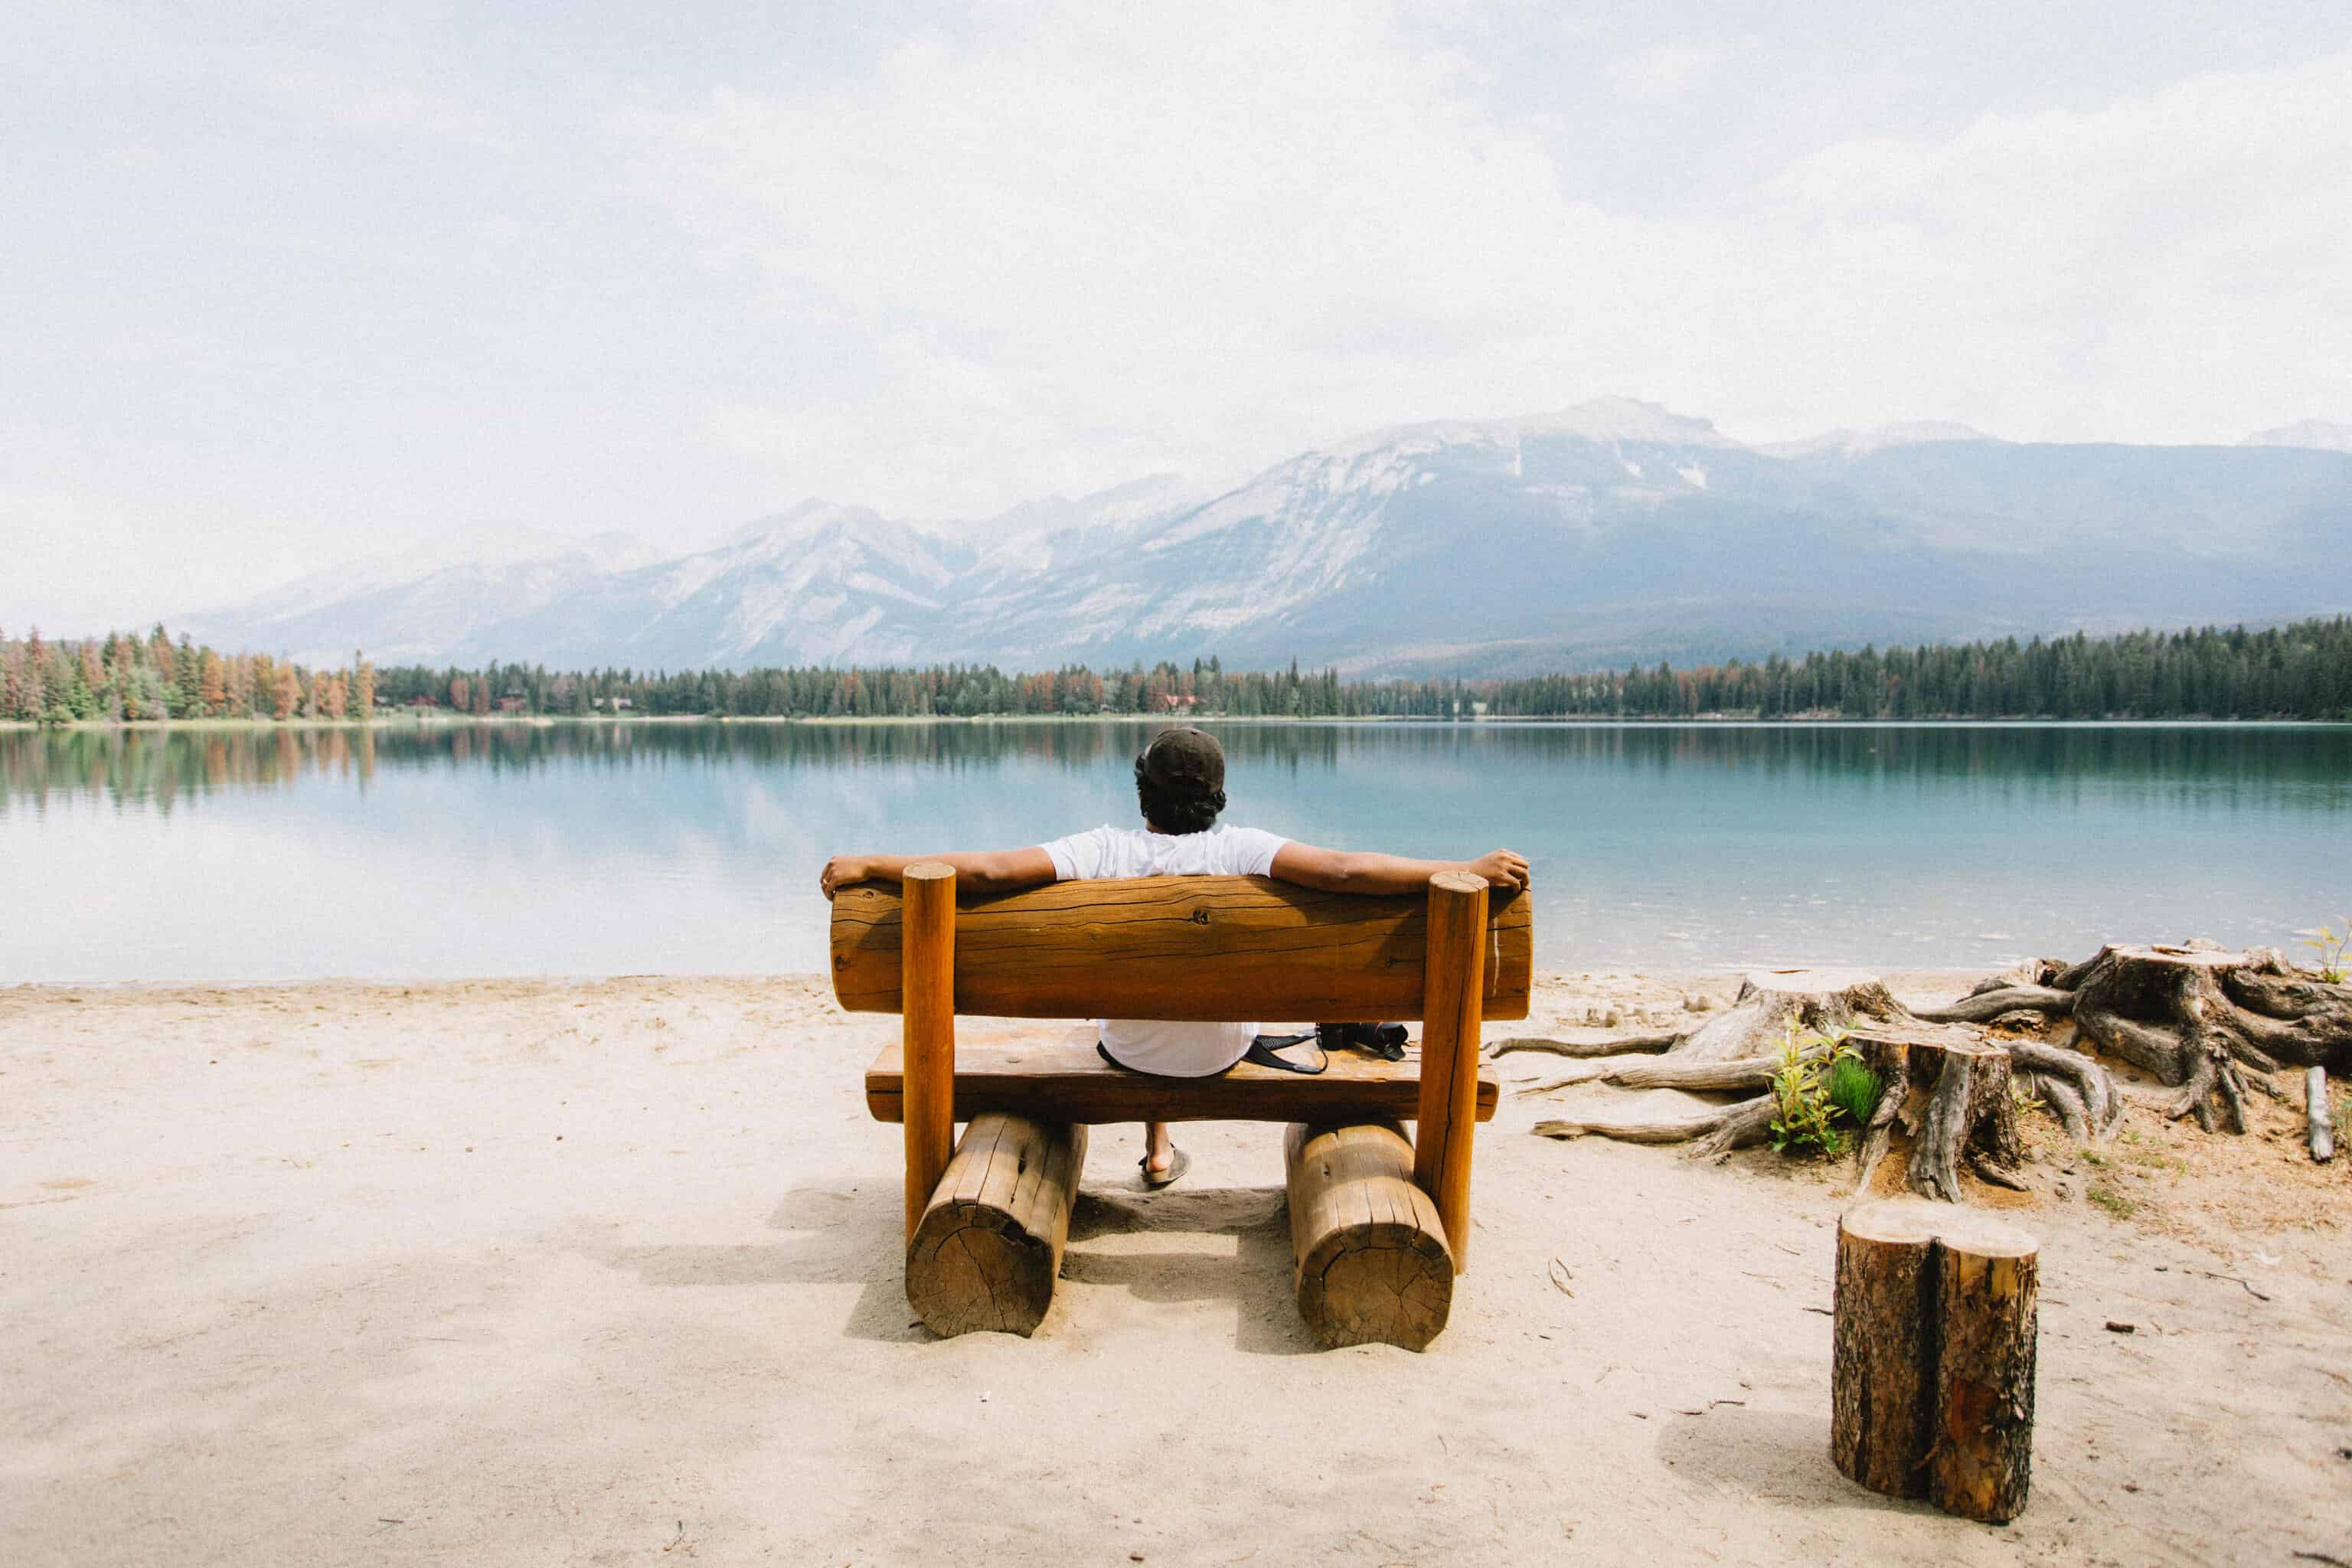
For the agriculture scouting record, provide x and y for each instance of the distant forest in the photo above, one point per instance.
(2298, 671)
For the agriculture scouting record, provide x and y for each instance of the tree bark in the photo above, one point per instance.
(1932, 1375)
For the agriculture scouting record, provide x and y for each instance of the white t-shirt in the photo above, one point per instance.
(1176, 1050)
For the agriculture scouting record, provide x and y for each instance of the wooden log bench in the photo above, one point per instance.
(1379, 1226)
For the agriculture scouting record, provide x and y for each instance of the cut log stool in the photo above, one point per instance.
(1370, 1264)
(1932, 1387)
(988, 1247)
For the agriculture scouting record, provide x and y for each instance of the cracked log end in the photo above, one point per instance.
(988, 1248)
(1371, 1263)
(1932, 1381)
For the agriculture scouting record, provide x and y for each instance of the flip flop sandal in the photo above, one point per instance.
(1179, 1162)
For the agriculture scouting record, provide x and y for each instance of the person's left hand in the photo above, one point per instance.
(840, 872)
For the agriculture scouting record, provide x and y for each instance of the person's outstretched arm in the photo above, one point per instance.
(1351, 871)
(977, 871)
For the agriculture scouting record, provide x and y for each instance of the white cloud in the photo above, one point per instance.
(1121, 241)
(1662, 70)
(393, 108)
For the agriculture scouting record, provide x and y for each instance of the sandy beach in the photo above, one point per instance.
(525, 1272)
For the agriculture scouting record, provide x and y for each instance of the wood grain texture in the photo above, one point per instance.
(1058, 1076)
(987, 1249)
(927, 981)
(1931, 1378)
(1370, 1264)
(1449, 1052)
(1219, 949)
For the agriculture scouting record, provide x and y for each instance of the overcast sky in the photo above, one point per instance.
(288, 283)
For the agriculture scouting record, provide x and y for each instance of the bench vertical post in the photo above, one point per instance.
(1454, 1006)
(927, 975)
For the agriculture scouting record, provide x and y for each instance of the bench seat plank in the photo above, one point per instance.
(1057, 1077)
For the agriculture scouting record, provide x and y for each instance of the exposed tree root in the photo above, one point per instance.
(1984, 1006)
(1970, 1118)
(2207, 1022)
(2070, 1080)
(1713, 1122)
(1620, 1045)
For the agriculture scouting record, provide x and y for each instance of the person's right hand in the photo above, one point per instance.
(1502, 869)
(840, 871)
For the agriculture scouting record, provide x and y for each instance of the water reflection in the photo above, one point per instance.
(2313, 762)
(535, 848)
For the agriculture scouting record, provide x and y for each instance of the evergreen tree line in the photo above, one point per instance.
(2299, 671)
(129, 678)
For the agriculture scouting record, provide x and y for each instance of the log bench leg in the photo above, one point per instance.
(988, 1247)
(1371, 1263)
(1932, 1385)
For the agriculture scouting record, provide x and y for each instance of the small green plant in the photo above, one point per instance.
(2114, 1202)
(1804, 1117)
(1854, 1088)
(2023, 1099)
(2333, 950)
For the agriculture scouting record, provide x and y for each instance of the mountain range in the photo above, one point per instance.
(1611, 532)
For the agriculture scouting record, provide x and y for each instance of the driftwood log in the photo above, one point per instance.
(1370, 1260)
(988, 1247)
(1931, 1385)
(2319, 1121)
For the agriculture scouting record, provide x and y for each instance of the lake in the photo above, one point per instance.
(249, 856)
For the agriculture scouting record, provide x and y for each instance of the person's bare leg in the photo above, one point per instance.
(1160, 1149)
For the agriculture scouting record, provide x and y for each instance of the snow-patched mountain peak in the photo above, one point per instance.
(1624, 419)
(1608, 421)
(1603, 532)
(2318, 434)
(1847, 443)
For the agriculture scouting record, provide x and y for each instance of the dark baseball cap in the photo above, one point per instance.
(1183, 760)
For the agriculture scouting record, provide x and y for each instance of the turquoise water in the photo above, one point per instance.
(260, 856)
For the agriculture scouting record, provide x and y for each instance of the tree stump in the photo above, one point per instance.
(1968, 1115)
(1772, 1000)
(2197, 1017)
(1372, 1264)
(1932, 1381)
(988, 1247)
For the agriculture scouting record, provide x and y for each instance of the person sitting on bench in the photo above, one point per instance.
(1180, 783)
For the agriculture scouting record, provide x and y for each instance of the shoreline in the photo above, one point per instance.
(1694, 721)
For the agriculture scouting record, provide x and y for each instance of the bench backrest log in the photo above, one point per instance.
(1215, 949)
